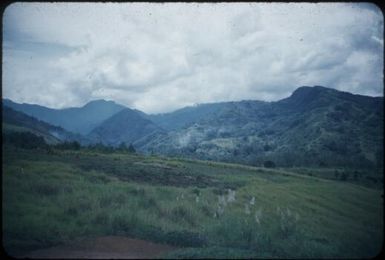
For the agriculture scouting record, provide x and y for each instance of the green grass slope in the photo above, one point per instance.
(208, 209)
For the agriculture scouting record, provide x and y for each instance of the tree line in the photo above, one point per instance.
(29, 140)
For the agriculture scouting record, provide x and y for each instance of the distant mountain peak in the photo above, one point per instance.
(306, 93)
(100, 102)
(304, 96)
(127, 126)
(306, 89)
(75, 119)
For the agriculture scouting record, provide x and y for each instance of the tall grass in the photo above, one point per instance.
(239, 212)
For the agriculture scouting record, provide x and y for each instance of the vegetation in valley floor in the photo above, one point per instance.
(209, 209)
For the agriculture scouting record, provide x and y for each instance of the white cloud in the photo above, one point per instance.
(160, 57)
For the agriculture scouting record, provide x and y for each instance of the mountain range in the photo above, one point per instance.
(15, 121)
(315, 126)
(79, 120)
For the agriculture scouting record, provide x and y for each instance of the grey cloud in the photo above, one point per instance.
(160, 57)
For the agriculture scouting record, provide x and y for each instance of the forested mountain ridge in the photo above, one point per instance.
(126, 126)
(315, 126)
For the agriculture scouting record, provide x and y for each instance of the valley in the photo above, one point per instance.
(314, 127)
(297, 178)
(189, 130)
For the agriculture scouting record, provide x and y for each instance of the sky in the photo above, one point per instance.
(160, 57)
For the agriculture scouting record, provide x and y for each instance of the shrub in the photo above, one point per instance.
(239, 232)
(196, 191)
(149, 202)
(76, 206)
(68, 145)
(124, 224)
(185, 238)
(266, 148)
(268, 164)
(343, 176)
(24, 140)
(129, 224)
(336, 174)
(113, 199)
(101, 218)
(46, 189)
(219, 191)
(137, 191)
(211, 252)
(131, 149)
(181, 213)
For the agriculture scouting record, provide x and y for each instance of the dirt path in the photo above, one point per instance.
(108, 247)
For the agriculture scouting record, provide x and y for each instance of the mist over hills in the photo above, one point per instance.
(15, 121)
(77, 119)
(315, 126)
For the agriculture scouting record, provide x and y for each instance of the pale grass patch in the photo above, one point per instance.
(252, 201)
(247, 209)
(230, 195)
(258, 216)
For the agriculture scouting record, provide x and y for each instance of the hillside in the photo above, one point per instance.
(203, 209)
(186, 116)
(314, 126)
(126, 126)
(15, 121)
(78, 119)
(324, 198)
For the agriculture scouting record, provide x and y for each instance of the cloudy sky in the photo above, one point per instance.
(160, 57)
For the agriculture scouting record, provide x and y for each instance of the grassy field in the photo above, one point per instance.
(208, 209)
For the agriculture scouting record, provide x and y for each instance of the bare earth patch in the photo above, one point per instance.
(108, 247)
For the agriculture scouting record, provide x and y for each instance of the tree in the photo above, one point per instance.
(322, 164)
(131, 149)
(268, 164)
(336, 174)
(69, 145)
(25, 140)
(266, 148)
(75, 145)
(123, 147)
(344, 176)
